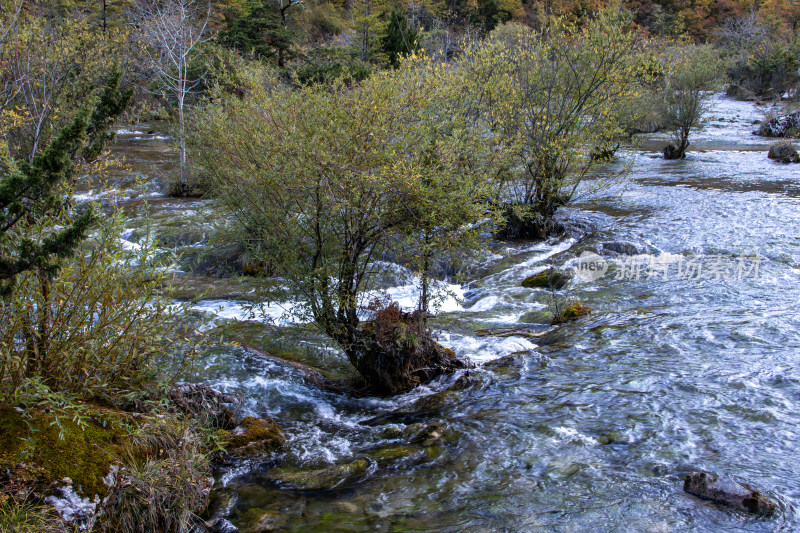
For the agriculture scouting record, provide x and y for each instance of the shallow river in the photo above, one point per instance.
(688, 361)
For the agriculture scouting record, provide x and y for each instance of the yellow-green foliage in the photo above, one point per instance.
(51, 64)
(18, 515)
(321, 20)
(324, 178)
(96, 328)
(553, 102)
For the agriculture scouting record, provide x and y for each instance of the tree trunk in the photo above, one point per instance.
(424, 278)
(182, 140)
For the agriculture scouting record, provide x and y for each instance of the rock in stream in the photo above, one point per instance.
(727, 491)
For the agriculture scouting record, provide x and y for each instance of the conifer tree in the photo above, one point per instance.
(400, 38)
(29, 190)
(262, 34)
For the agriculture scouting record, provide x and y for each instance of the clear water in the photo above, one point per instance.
(593, 429)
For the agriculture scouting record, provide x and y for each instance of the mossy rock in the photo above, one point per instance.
(546, 279)
(393, 454)
(425, 433)
(84, 455)
(539, 316)
(391, 432)
(784, 152)
(572, 312)
(255, 436)
(792, 133)
(320, 479)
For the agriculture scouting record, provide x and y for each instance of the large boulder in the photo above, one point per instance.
(744, 497)
(784, 126)
(784, 152)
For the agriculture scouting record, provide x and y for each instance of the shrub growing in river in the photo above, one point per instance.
(692, 73)
(553, 102)
(324, 181)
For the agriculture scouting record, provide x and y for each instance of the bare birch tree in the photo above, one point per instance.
(47, 66)
(174, 31)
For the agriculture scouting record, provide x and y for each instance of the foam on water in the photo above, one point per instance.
(483, 349)
(278, 313)
(573, 435)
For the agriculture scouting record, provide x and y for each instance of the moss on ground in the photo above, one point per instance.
(85, 455)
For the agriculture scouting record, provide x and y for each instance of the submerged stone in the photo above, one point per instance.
(727, 491)
(322, 478)
(432, 402)
(547, 279)
(611, 438)
(539, 316)
(392, 454)
(260, 520)
(426, 434)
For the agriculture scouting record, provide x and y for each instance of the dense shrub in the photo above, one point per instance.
(96, 327)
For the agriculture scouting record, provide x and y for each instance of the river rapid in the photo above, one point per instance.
(687, 361)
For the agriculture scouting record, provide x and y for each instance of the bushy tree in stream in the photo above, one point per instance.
(692, 73)
(553, 102)
(324, 182)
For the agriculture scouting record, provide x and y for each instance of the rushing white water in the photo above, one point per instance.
(592, 427)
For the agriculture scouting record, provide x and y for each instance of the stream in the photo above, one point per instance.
(687, 361)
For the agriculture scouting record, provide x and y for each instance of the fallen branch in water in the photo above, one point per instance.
(310, 374)
(513, 332)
